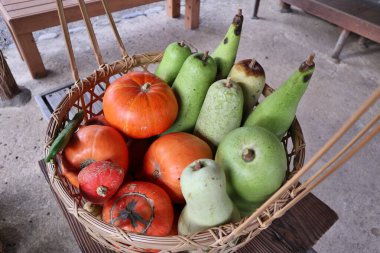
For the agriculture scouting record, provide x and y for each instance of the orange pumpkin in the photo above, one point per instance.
(96, 143)
(140, 105)
(140, 207)
(168, 156)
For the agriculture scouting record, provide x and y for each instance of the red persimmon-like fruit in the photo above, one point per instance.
(100, 180)
(140, 105)
(96, 143)
(168, 156)
(140, 207)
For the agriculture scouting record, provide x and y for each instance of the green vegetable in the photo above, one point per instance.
(203, 185)
(174, 56)
(190, 87)
(276, 113)
(221, 112)
(64, 136)
(251, 77)
(225, 53)
(255, 164)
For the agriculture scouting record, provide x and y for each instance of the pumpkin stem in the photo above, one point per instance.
(102, 191)
(248, 155)
(146, 87)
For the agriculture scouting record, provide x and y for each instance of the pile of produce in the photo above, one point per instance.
(186, 148)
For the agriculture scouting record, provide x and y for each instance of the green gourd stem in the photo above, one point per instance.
(252, 64)
(248, 155)
(64, 136)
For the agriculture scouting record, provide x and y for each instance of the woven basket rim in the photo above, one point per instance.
(207, 238)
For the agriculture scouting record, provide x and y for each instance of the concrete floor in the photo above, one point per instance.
(30, 220)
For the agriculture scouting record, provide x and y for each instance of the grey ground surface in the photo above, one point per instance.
(30, 220)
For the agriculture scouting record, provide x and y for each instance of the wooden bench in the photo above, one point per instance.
(358, 16)
(23, 17)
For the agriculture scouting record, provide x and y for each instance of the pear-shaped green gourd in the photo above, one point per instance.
(225, 53)
(251, 77)
(254, 162)
(276, 113)
(221, 112)
(203, 185)
(190, 88)
(174, 56)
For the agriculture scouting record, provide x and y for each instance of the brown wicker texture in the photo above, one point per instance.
(87, 95)
(83, 96)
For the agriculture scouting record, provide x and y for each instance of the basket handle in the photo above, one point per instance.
(91, 33)
(298, 192)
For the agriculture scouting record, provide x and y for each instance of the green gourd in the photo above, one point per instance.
(276, 113)
(203, 185)
(190, 87)
(64, 136)
(174, 56)
(221, 112)
(254, 162)
(251, 77)
(225, 53)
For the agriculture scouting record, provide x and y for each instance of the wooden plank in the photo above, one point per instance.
(173, 8)
(367, 26)
(296, 231)
(192, 14)
(24, 24)
(27, 6)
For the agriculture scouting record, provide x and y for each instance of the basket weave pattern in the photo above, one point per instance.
(85, 95)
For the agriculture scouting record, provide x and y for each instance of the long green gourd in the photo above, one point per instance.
(174, 56)
(225, 53)
(190, 87)
(64, 136)
(276, 113)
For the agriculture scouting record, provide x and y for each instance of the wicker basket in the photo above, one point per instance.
(87, 95)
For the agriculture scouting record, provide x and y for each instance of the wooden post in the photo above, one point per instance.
(256, 9)
(10, 93)
(339, 45)
(192, 14)
(173, 8)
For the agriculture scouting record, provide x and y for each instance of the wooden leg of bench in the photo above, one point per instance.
(31, 54)
(15, 41)
(339, 45)
(173, 8)
(256, 9)
(285, 7)
(192, 14)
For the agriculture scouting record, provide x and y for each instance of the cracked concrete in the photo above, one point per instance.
(30, 220)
